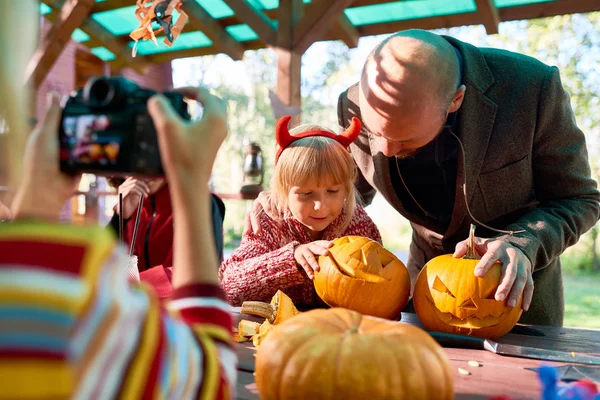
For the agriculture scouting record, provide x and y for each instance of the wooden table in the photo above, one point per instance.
(496, 375)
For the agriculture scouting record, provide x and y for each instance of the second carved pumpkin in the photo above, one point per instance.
(449, 298)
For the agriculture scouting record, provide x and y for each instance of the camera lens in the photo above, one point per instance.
(100, 92)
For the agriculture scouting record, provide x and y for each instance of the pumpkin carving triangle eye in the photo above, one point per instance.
(358, 255)
(385, 259)
(344, 240)
(468, 304)
(440, 287)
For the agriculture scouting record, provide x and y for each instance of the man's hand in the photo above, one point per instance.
(132, 189)
(517, 270)
(305, 255)
(260, 205)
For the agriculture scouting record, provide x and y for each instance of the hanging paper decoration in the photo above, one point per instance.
(281, 109)
(160, 11)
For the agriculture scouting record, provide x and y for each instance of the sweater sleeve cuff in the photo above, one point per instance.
(204, 304)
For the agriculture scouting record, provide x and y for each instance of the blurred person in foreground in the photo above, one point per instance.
(70, 324)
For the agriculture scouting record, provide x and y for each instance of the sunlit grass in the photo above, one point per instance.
(582, 301)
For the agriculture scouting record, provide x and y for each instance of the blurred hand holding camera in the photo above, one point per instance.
(188, 150)
(44, 189)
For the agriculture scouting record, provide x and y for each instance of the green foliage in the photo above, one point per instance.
(582, 301)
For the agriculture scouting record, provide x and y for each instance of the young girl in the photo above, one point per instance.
(312, 195)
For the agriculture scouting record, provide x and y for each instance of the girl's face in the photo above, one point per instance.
(155, 184)
(316, 206)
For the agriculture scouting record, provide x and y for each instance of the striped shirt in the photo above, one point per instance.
(72, 327)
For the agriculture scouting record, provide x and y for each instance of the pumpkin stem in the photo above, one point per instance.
(260, 309)
(471, 252)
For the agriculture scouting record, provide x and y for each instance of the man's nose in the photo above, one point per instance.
(390, 149)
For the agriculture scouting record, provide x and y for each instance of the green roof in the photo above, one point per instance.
(242, 32)
(362, 18)
(403, 10)
(187, 40)
(80, 36)
(103, 53)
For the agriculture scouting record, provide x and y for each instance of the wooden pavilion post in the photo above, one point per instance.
(289, 62)
(298, 29)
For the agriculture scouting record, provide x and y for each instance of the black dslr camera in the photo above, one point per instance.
(106, 129)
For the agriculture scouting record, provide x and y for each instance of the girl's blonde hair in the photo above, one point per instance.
(18, 38)
(316, 159)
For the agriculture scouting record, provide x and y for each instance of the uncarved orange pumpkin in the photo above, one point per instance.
(361, 275)
(448, 297)
(340, 354)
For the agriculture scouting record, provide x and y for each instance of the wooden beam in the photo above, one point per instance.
(223, 42)
(514, 13)
(343, 28)
(199, 52)
(72, 14)
(345, 31)
(255, 19)
(362, 3)
(100, 36)
(529, 11)
(550, 9)
(316, 22)
(289, 66)
(289, 63)
(537, 10)
(93, 28)
(288, 15)
(445, 21)
(489, 15)
(109, 5)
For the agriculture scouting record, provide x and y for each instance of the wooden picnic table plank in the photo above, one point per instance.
(246, 388)
(555, 338)
(496, 375)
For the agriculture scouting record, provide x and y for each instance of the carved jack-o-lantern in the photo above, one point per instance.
(448, 297)
(361, 275)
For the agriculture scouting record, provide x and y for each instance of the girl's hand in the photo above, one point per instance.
(305, 255)
(132, 189)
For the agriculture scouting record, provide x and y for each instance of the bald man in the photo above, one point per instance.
(439, 113)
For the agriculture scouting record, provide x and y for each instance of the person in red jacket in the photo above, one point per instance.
(154, 241)
(313, 203)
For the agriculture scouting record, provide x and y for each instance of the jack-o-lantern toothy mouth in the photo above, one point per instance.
(471, 322)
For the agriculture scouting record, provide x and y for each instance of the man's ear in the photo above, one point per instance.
(457, 99)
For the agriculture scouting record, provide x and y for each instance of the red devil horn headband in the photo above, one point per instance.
(284, 138)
